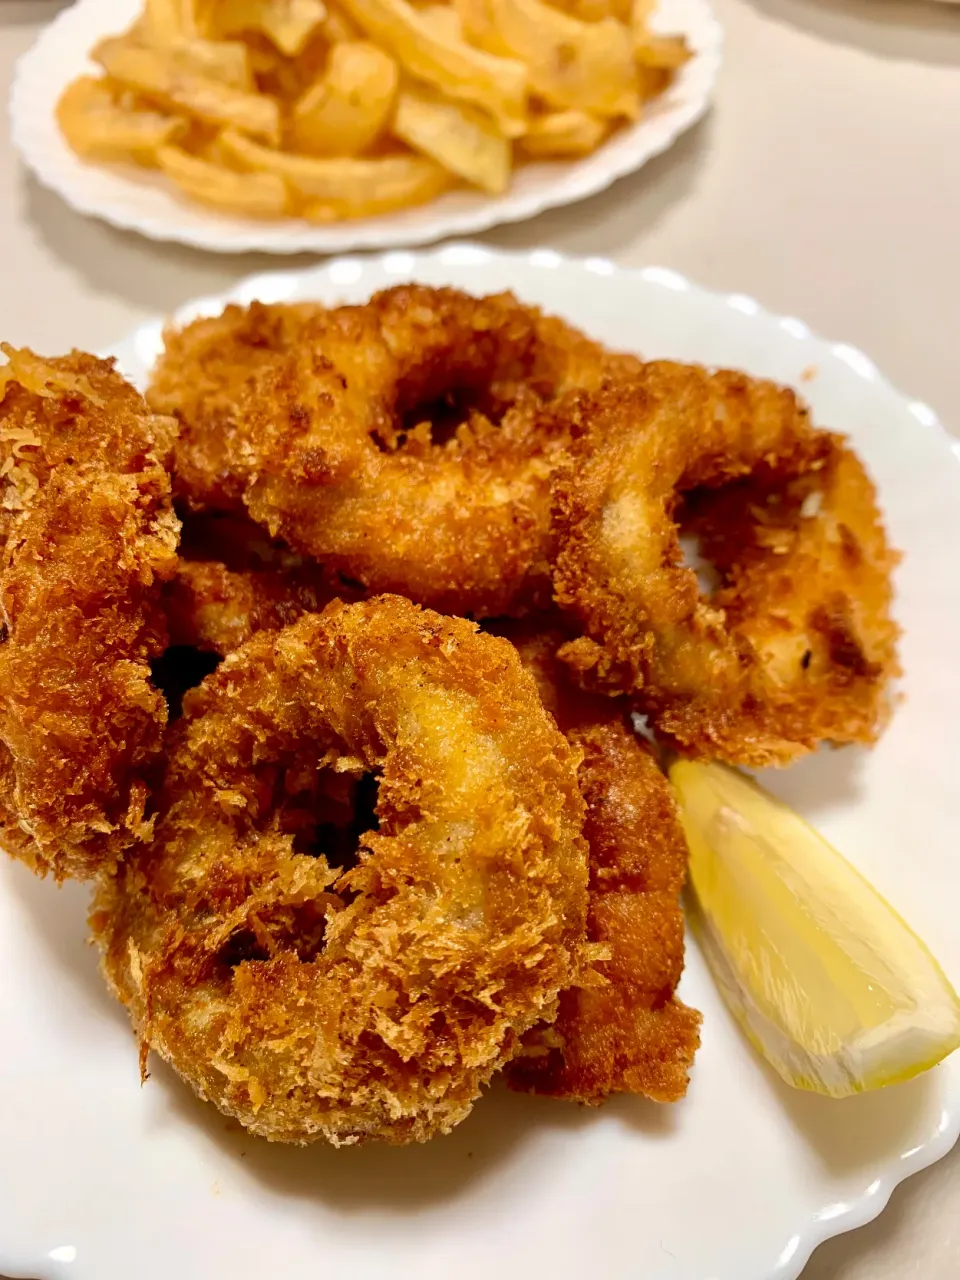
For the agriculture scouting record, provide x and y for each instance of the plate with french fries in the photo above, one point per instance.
(327, 125)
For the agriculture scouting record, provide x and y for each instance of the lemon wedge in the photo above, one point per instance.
(828, 982)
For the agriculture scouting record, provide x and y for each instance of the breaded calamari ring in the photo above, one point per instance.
(630, 1033)
(200, 379)
(805, 575)
(637, 448)
(214, 604)
(334, 444)
(216, 609)
(625, 1032)
(89, 535)
(371, 1000)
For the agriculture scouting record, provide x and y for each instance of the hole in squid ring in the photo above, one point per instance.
(331, 825)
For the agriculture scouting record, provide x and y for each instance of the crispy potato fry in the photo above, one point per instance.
(595, 10)
(166, 21)
(225, 60)
(345, 184)
(98, 127)
(657, 57)
(563, 133)
(159, 76)
(330, 109)
(208, 146)
(660, 53)
(276, 75)
(348, 108)
(588, 66)
(497, 85)
(288, 23)
(255, 195)
(476, 23)
(311, 62)
(338, 26)
(425, 186)
(459, 138)
(443, 20)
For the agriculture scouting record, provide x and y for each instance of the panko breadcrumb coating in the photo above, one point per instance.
(313, 997)
(89, 537)
(622, 1030)
(331, 427)
(216, 609)
(626, 1032)
(712, 673)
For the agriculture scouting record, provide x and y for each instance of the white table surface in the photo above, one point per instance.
(826, 183)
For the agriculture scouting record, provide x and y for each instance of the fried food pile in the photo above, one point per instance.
(323, 111)
(324, 663)
(90, 538)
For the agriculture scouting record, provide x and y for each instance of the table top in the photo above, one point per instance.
(825, 183)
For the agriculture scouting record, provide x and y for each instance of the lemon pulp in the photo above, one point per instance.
(826, 979)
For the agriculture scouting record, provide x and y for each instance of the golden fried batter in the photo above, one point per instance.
(89, 535)
(626, 1032)
(216, 609)
(313, 995)
(707, 672)
(399, 442)
(806, 577)
(200, 380)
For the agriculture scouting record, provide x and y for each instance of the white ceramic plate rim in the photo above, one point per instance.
(142, 345)
(146, 205)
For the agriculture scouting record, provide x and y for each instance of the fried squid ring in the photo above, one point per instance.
(805, 577)
(216, 609)
(710, 675)
(212, 610)
(622, 1030)
(200, 380)
(337, 443)
(89, 535)
(372, 1000)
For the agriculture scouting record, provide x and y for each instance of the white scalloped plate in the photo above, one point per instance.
(139, 201)
(101, 1179)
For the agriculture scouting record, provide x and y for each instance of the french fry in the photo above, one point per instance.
(563, 133)
(166, 21)
(595, 10)
(330, 109)
(345, 183)
(588, 66)
(497, 85)
(276, 75)
(657, 57)
(208, 146)
(443, 20)
(338, 26)
(457, 137)
(389, 200)
(660, 53)
(158, 76)
(98, 127)
(255, 195)
(288, 23)
(225, 60)
(641, 13)
(348, 108)
(476, 23)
